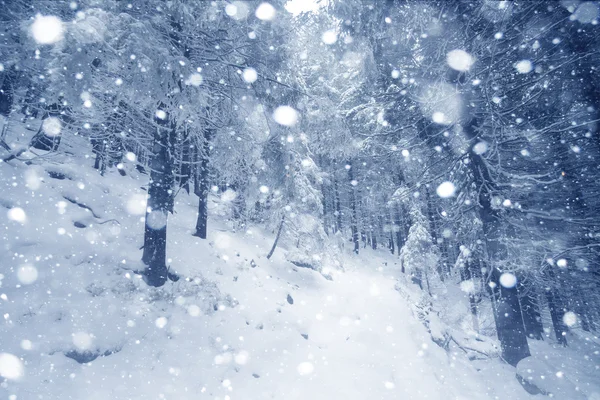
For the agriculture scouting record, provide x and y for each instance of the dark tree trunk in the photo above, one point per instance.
(353, 216)
(325, 208)
(279, 230)
(509, 318)
(186, 162)
(201, 186)
(373, 233)
(338, 208)
(399, 231)
(160, 202)
(532, 319)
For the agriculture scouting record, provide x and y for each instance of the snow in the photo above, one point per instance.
(249, 75)
(265, 12)
(194, 79)
(237, 10)
(508, 280)
(162, 340)
(136, 204)
(587, 12)
(160, 114)
(524, 66)
(47, 29)
(11, 367)
(480, 148)
(17, 214)
(460, 60)
(329, 37)
(570, 318)
(446, 190)
(285, 115)
(561, 263)
(82, 340)
(27, 274)
(439, 118)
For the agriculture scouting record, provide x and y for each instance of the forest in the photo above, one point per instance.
(300, 198)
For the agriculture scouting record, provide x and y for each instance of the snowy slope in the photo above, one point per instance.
(237, 327)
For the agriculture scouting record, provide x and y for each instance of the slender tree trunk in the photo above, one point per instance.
(160, 202)
(201, 186)
(353, 216)
(532, 319)
(279, 230)
(338, 208)
(555, 306)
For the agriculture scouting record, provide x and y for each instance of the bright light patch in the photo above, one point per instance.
(27, 274)
(11, 367)
(82, 340)
(299, 6)
(446, 190)
(52, 126)
(160, 322)
(136, 204)
(160, 114)
(228, 195)
(524, 66)
(264, 189)
(561, 263)
(480, 148)
(47, 29)
(249, 75)
(329, 37)
(130, 156)
(17, 214)
(242, 357)
(570, 318)
(265, 12)
(285, 115)
(439, 118)
(508, 280)
(194, 79)
(305, 368)
(460, 60)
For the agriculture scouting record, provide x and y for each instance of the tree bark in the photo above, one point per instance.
(279, 230)
(160, 202)
(532, 320)
(509, 318)
(201, 186)
(354, 217)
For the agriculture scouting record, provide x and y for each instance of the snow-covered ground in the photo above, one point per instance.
(237, 326)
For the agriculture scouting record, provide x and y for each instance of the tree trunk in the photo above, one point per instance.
(354, 217)
(532, 320)
(201, 186)
(279, 230)
(338, 208)
(509, 318)
(160, 201)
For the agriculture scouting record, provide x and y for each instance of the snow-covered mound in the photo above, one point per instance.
(80, 324)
